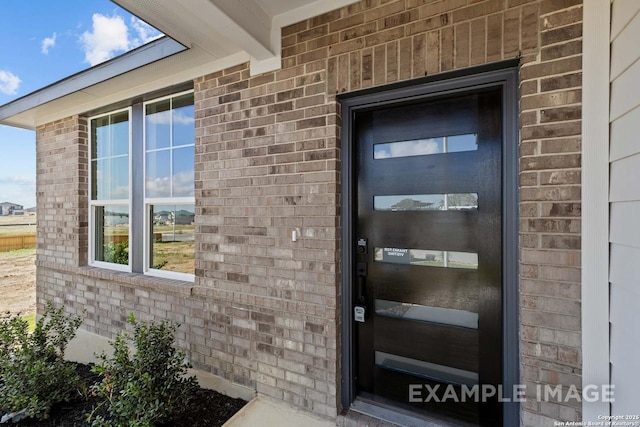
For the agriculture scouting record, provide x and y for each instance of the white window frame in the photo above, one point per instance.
(148, 202)
(118, 202)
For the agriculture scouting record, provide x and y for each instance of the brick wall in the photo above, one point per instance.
(61, 197)
(264, 311)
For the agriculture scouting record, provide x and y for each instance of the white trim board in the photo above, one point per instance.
(595, 202)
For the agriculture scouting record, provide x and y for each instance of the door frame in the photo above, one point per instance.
(502, 74)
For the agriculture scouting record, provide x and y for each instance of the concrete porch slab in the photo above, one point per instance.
(261, 412)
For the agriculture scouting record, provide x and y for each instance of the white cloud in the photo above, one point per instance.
(48, 43)
(161, 186)
(164, 118)
(145, 32)
(108, 37)
(9, 82)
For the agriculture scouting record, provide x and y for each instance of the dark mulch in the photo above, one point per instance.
(207, 408)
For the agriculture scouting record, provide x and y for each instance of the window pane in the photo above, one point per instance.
(183, 160)
(426, 202)
(427, 258)
(100, 137)
(110, 135)
(111, 232)
(110, 178)
(158, 171)
(425, 369)
(458, 143)
(158, 125)
(424, 313)
(120, 134)
(172, 238)
(418, 147)
(110, 157)
(183, 123)
(424, 147)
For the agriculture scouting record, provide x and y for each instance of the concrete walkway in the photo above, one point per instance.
(261, 412)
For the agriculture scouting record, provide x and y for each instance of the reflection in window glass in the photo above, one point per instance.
(172, 238)
(445, 316)
(110, 157)
(158, 125)
(427, 258)
(426, 369)
(111, 231)
(426, 202)
(158, 170)
(182, 177)
(425, 147)
(169, 147)
(183, 120)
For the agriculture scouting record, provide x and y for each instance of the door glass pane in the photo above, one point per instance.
(426, 146)
(427, 258)
(111, 231)
(426, 202)
(425, 369)
(445, 316)
(172, 238)
(459, 143)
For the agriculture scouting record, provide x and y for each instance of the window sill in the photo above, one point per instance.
(139, 280)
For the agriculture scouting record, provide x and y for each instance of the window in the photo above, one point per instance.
(109, 201)
(142, 188)
(169, 202)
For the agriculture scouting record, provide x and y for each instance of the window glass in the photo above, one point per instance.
(426, 146)
(158, 172)
(110, 157)
(426, 202)
(182, 179)
(111, 234)
(183, 120)
(427, 258)
(172, 238)
(158, 125)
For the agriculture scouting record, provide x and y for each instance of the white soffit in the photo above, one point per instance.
(217, 34)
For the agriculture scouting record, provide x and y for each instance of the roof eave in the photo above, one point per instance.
(129, 61)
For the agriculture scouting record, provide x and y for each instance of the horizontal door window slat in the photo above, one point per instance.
(439, 344)
(423, 313)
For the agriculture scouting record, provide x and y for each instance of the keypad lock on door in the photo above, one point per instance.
(360, 308)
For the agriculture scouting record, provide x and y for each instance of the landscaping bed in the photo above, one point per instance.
(207, 408)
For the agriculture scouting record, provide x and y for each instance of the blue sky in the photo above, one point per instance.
(41, 42)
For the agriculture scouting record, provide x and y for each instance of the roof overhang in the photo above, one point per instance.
(206, 36)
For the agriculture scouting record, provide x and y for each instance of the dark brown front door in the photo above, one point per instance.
(428, 256)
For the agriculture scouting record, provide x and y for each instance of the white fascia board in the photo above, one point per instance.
(144, 55)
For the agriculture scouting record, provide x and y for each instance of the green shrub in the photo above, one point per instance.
(148, 386)
(33, 373)
(117, 253)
